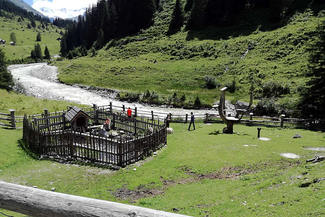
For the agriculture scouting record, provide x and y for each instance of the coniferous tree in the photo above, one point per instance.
(188, 6)
(38, 51)
(38, 37)
(197, 17)
(47, 53)
(313, 100)
(177, 18)
(13, 37)
(5, 76)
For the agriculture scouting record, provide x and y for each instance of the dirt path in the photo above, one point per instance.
(40, 80)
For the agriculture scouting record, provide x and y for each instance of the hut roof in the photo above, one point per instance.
(74, 112)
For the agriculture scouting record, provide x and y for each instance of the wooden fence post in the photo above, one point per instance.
(186, 118)
(282, 120)
(135, 112)
(152, 116)
(251, 116)
(123, 108)
(64, 122)
(111, 107)
(206, 117)
(46, 115)
(12, 118)
(95, 113)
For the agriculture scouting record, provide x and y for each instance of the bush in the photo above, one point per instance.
(266, 107)
(274, 89)
(197, 102)
(232, 87)
(210, 82)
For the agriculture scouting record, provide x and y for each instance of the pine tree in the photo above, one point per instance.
(13, 37)
(47, 53)
(313, 100)
(197, 17)
(177, 19)
(5, 76)
(38, 37)
(38, 51)
(188, 6)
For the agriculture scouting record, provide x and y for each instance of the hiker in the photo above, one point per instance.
(107, 124)
(129, 112)
(168, 119)
(191, 122)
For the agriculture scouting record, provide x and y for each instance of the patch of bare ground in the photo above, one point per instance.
(226, 173)
(140, 192)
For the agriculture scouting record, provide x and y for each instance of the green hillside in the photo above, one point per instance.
(273, 58)
(26, 36)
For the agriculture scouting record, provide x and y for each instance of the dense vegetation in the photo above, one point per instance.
(313, 102)
(5, 76)
(107, 20)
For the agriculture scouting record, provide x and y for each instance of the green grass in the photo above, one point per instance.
(27, 104)
(26, 38)
(239, 180)
(177, 64)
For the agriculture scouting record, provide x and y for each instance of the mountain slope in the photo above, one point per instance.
(23, 5)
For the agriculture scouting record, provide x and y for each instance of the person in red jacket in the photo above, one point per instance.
(129, 112)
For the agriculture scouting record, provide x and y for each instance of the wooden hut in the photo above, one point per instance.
(78, 119)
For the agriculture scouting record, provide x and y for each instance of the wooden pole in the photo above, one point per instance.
(186, 118)
(12, 118)
(135, 112)
(111, 107)
(41, 203)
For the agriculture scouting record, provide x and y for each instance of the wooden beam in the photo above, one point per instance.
(41, 203)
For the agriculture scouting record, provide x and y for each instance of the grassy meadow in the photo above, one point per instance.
(26, 37)
(199, 173)
(180, 63)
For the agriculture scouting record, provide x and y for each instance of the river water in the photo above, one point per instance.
(40, 80)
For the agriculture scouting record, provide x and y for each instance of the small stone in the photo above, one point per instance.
(155, 153)
(35, 186)
(297, 136)
(175, 210)
(134, 169)
(53, 189)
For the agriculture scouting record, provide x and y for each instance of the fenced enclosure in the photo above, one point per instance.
(129, 140)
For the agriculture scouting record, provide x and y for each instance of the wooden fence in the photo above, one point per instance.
(10, 120)
(52, 136)
(40, 203)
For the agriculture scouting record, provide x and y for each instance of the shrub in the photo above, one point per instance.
(266, 107)
(210, 82)
(197, 102)
(274, 89)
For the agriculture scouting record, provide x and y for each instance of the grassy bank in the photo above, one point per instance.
(199, 173)
(26, 37)
(180, 63)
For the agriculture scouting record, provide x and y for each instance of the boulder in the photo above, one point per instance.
(170, 130)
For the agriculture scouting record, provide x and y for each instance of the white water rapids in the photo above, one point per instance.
(40, 80)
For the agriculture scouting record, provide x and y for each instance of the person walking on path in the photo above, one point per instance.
(129, 112)
(192, 122)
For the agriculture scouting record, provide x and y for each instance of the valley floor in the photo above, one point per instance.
(199, 173)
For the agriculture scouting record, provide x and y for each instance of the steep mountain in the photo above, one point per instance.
(24, 5)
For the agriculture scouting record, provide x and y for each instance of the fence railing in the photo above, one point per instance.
(10, 120)
(52, 136)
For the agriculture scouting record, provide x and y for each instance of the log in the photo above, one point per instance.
(41, 203)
